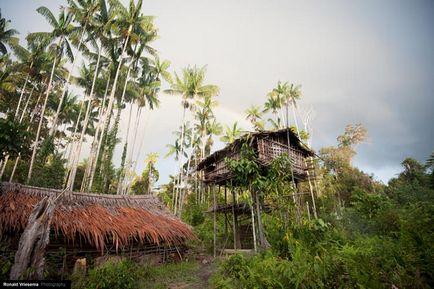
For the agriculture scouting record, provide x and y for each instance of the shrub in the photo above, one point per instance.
(113, 274)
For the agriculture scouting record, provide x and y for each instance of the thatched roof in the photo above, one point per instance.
(101, 220)
(226, 151)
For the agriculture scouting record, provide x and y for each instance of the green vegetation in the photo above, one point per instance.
(368, 235)
(354, 233)
(126, 274)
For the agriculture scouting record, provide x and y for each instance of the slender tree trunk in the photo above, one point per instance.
(295, 121)
(214, 224)
(111, 99)
(93, 156)
(71, 144)
(66, 85)
(184, 191)
(138, 151)
(294, 188)
(70, 184)
(253, 228)
(27, 104)
(311, 190)
(35, 146)
(15, 167)
(22, 92)
(130, 152)
(262, 239)
(124, 156)
(4, 164)
(122, 168)
(17, 160)
(181, 155)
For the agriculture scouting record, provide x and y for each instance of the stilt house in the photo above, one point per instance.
(267, 145)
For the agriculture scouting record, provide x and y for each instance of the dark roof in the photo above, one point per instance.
(217, 155)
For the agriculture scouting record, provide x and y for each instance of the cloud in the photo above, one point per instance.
(368, 62)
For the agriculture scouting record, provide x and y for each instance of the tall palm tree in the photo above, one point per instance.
(204, 116)
(102, 40)
(47, 94)
(133, 30)
(190, 86)
(31, 62)
(294, 95)
(82, 11)
(274, 104)
(153, 71)
(6, 35)
(61, 29)
(89, 92)
(213, 129)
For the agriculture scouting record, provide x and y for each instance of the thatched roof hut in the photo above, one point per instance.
(102, 222)
(267, 145)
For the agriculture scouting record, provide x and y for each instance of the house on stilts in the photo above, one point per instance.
(91, 225)
(267, 145)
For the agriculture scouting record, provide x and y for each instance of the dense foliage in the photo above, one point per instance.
(380, 239)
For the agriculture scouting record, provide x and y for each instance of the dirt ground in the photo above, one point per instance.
(206, 268)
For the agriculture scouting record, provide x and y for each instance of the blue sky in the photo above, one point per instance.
(369, 62)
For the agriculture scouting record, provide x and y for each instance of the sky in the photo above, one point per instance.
(368, 62)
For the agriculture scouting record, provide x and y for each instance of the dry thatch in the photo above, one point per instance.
(100, 220)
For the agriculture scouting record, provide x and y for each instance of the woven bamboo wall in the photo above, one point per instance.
(267, 149)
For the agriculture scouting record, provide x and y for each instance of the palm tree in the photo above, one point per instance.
(204, 115)
(149, 82)
(254, 115)
(90, 100)
(289, 94)
(294, 95)
(101, 31)
(83, 11)
(213, 129)
(231, 133)
(31, 63)
(6, 35)
(133, 30)
(190, 86)
(61, 29)
(47, 94)
(274, 104)
(151, 172)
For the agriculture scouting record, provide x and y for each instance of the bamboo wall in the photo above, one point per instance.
(267, 149)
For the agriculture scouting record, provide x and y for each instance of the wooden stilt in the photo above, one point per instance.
(234, 220)
(215, 223)
(226, 214)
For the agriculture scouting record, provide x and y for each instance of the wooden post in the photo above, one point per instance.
(234, 220)
(311, 190)
(308, 210)
(263, 242)
(253, 228)
(226, 214)
(215, 224)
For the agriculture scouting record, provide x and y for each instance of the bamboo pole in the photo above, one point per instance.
(234, 219)
(215, 224)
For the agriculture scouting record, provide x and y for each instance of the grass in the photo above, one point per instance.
(171, 275)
